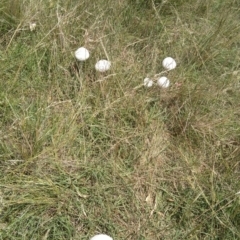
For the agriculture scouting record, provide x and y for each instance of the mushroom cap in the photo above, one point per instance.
(147, 82)
(82, 54)
(163, 82)
(101, 237)
(103, 65)
(169, 63)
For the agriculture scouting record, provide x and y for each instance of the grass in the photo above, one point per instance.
(83, 153)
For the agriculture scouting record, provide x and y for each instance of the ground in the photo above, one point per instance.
(83, 152)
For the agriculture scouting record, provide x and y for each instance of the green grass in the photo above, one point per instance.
(83, 153)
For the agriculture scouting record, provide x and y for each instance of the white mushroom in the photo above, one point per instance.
(169, 63)
(147, 82)
(163, 82)
(103, 65)
(101, 237)
(82, 54)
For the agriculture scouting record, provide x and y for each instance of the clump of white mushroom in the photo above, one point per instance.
(82, 54)
(169, 64)
(103, 65)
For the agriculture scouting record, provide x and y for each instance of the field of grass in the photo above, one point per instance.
(83, 152)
